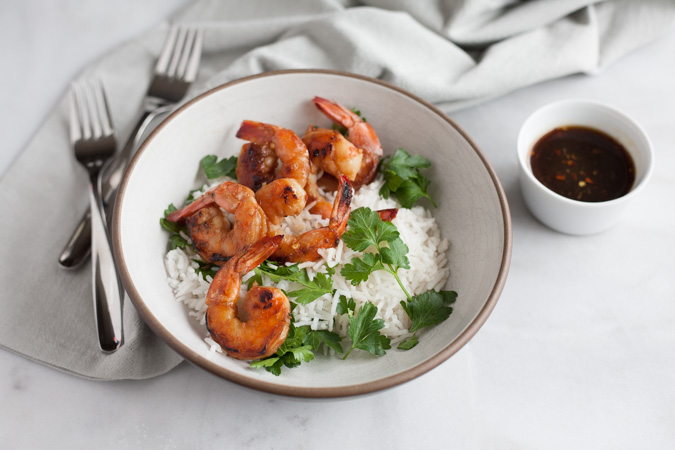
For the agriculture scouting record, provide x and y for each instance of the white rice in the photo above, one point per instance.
(428, 270)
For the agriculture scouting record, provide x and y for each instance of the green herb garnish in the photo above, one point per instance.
(425, 310)
(316, 338)
(364, 330)
(313, 289)
(367, 230)
(291, 353)
(226, 167)
(175, 238)
(299, 347)
(403, 178)
(205, 269)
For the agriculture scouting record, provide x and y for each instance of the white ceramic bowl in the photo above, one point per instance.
(573, 216)
(473, 214)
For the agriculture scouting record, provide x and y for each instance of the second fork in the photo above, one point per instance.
(174, 73)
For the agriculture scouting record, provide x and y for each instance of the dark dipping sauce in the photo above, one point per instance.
(583, 164)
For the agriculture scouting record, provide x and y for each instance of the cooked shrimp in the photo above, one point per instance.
(305, 246)
(212, 234)
(333, 153)
(285, 143)
(360, 133)
(256, 165)
(268, 309)
(281, 198)
(321, 206)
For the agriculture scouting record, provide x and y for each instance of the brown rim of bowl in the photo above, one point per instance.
(314, 392)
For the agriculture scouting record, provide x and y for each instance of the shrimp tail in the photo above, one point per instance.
(225, 285)
(253, 131)
(256, 253)
(360, 133)
(341, 207)
(181, 214)
(336, 112)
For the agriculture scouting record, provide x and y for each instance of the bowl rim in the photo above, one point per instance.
(581, 104)
(302, 391)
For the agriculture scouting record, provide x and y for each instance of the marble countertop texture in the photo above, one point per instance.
(578, 352)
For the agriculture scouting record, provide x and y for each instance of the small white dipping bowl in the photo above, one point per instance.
(573, 216)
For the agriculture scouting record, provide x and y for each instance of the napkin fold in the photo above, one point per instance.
(452, 53)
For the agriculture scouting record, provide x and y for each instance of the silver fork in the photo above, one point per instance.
(91, 134)
(175, 71)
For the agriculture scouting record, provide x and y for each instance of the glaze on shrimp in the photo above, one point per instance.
(213, 237)
(333, 153)
(306, 246)
(284, 143)
(360, 133)
(268, 309)
(281, 198)
(279, 193)
(256, 165)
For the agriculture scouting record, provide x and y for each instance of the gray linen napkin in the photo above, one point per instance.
(452, 53)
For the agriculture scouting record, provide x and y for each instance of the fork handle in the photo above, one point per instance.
(107, 290)
(78, 247)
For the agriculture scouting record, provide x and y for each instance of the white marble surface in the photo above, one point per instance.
(577, 354)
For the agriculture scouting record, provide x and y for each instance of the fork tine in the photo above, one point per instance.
(165, 56)
(94, 119)
(102, 108)
(178, 47)
(82, 111)
(185, 53)
(190, 71)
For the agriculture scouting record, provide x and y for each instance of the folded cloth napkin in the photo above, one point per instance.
(452, 53)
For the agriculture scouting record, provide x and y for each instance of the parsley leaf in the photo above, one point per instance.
(175, 239)
(226, 167)
(408, 343)
(303, 353)
(346, 306)
(278, 273)
(291, 353)
(366, 228)
(272, 364)
(205, 269)
(359, 269)
(429, 308)
(410, 191)
(402, 177)
(315, 338)
(364, 331)
(320, 285)
(396, 254)
(313, 289)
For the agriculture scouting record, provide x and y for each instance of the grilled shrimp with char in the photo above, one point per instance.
(268, 309)
(212, 234)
